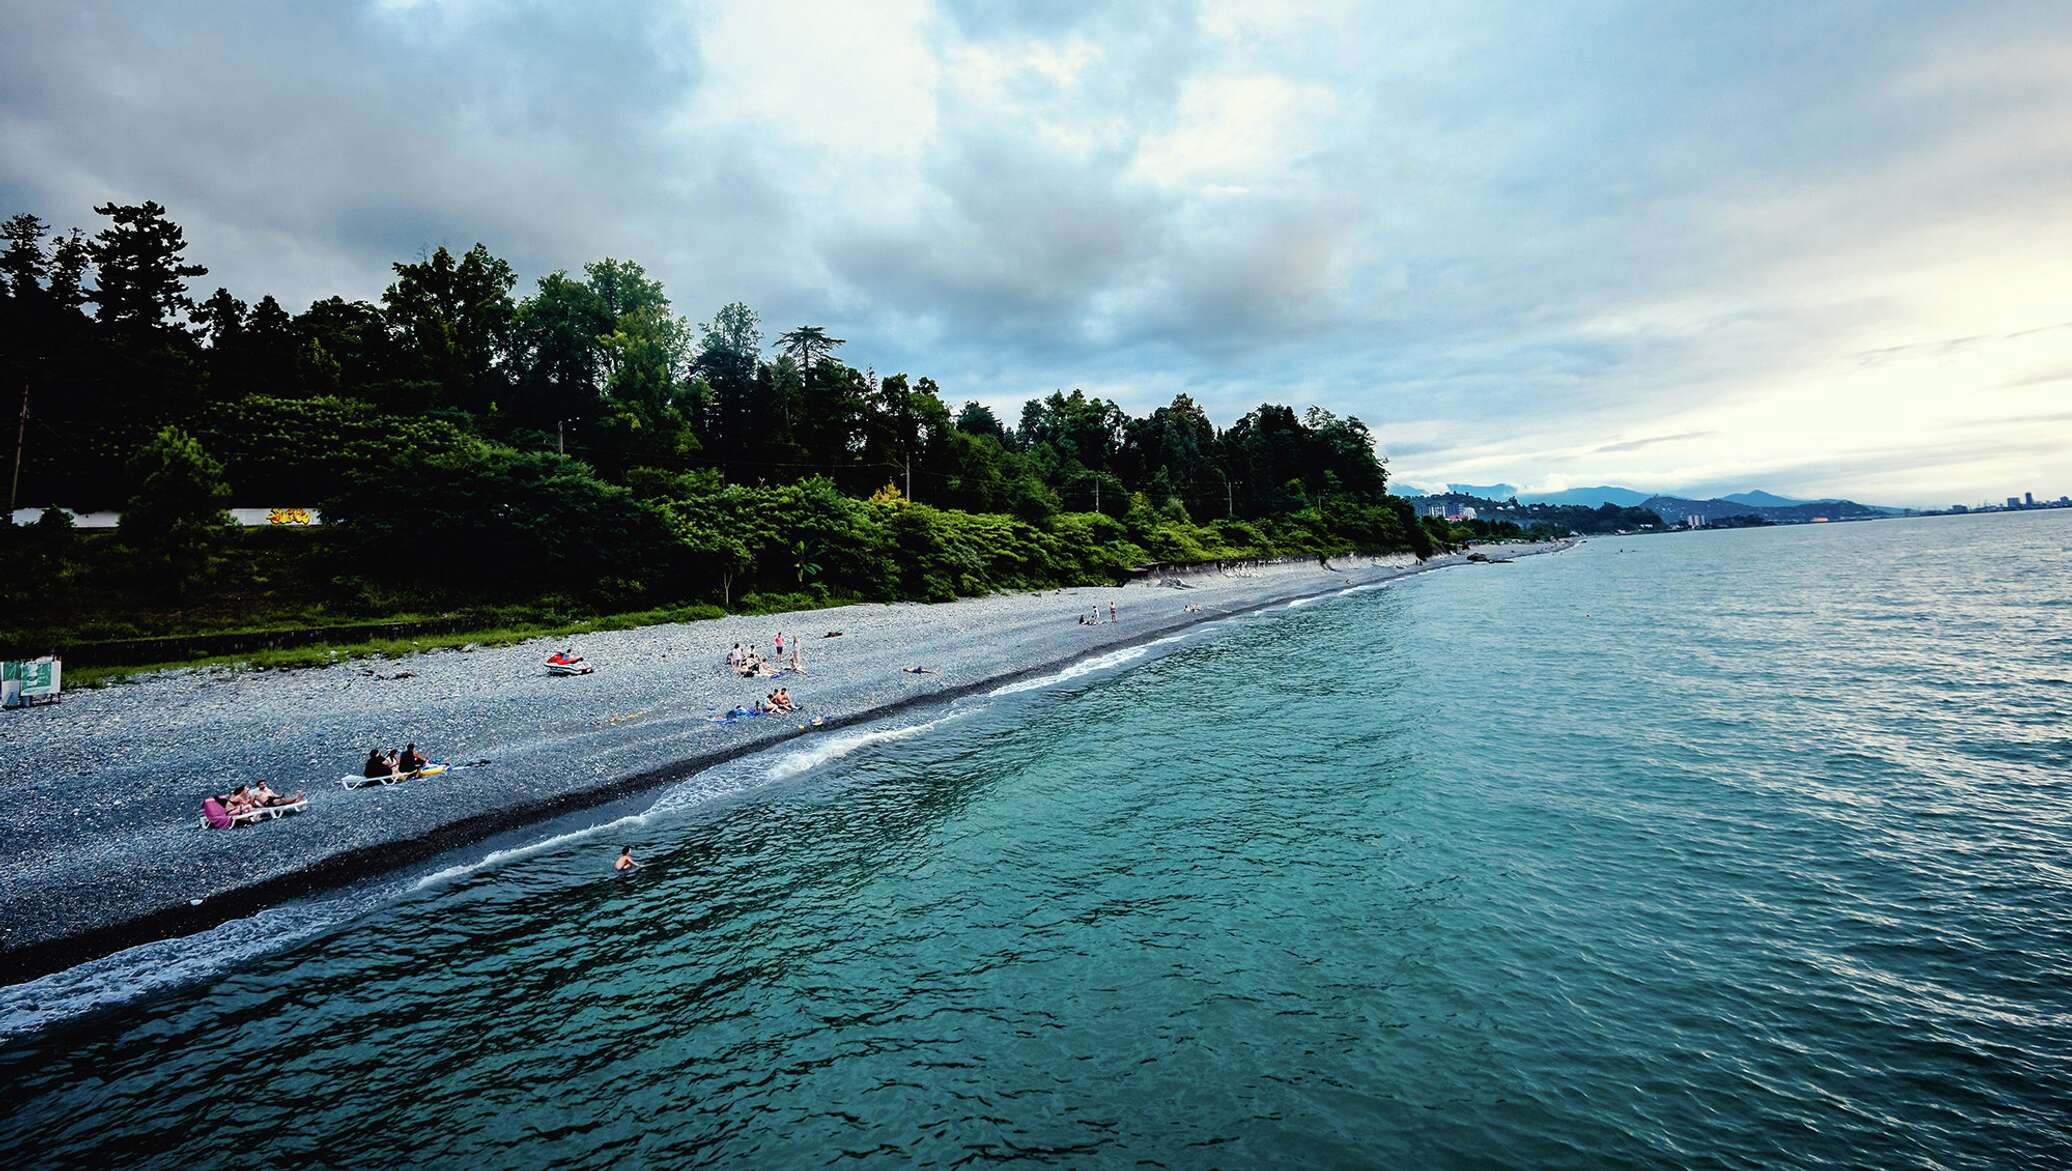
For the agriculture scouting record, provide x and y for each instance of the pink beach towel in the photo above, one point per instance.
(213, 812)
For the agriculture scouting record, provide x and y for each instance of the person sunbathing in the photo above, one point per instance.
(266, 796)
(918, 669)
(781, 700)
(240, 801)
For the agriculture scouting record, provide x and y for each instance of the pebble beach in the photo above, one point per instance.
(104, 845)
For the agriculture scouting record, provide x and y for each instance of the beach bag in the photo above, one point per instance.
(213, 812)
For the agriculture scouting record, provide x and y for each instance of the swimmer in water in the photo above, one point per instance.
(626, 861)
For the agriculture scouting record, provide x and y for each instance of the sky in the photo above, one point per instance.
(1816, 248)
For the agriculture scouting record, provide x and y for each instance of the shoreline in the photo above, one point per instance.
(149, 864)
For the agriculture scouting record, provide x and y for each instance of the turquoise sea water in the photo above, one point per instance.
(1720, 850)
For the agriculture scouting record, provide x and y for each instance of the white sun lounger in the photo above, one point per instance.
(357, 782)
(262, 813)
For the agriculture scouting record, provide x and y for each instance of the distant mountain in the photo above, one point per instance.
(1486, 491)
(1587, 497)
(1673, 509)
(1762, 499)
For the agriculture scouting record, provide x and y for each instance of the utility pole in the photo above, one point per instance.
(1097, 492)
(560, 448)
(21, 436)
(910, 475)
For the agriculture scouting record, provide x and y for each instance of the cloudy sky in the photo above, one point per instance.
(1811, 247)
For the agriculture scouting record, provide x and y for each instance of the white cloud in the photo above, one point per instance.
(1516, 239)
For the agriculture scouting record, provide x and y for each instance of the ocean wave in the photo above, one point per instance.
(1082, 667)
(513, 853)
(830, 748)
(166, 963)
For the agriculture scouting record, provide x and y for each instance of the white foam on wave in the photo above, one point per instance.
(1087, 666)
(830, 748)
(499, 857)
(146, 968)
(717, 783)
(1300, 602)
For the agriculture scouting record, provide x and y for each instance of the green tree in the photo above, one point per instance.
(175, 519)
(23, 266)
(455, 318)
(808, 345)
(559, 331)
(142, 273)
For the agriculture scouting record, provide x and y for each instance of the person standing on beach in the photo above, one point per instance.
(1111, 612)
(780, 646)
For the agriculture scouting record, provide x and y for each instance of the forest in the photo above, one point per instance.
(584, 445)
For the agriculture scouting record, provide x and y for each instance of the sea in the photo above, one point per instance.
(1711, 850)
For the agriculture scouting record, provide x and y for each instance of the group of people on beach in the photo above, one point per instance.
(246, 798)
(748, 661)
(407, 763)
(1094, 619)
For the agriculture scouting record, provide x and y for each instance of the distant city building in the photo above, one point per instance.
(2065, 502)
(2014, 502)
(1694, 521)
(1467, 513)
(2028, 500)
(1959, 508)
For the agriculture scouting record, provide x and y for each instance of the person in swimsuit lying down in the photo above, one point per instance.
(266, 796)
(918, 669)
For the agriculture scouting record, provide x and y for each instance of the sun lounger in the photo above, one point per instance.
(359, 782)
(214, 816)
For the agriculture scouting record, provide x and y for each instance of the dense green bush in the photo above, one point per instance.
(487, 519)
